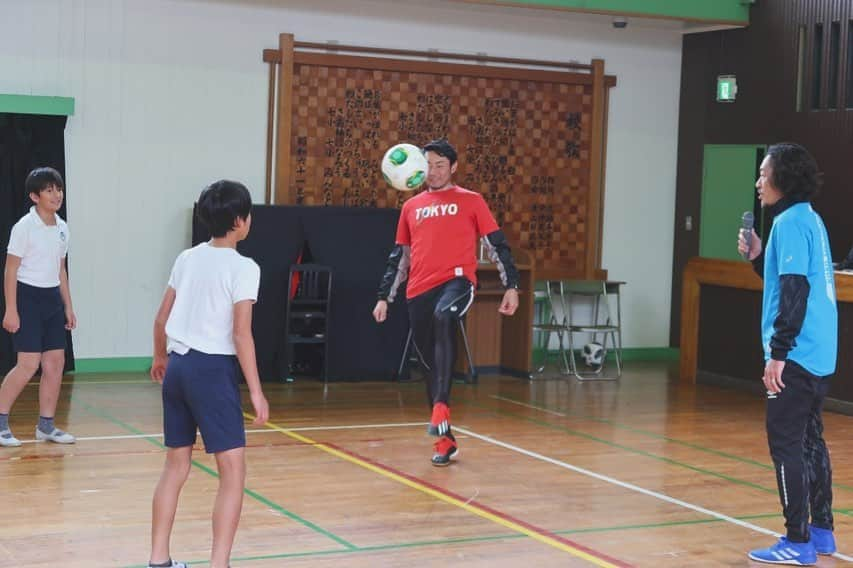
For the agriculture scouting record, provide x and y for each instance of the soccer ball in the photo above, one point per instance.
(593, 354)
(404, 167)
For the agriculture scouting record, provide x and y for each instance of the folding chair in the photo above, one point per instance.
(554, 304)
(597, 291)
(307, 313)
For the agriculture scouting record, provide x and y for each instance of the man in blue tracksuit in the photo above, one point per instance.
(799, 332)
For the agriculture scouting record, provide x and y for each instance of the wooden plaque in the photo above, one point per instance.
(530, 140)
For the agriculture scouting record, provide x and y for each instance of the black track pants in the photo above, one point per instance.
(433, 316)
(795, 437)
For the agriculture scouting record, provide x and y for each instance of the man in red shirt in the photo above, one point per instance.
(436, 250)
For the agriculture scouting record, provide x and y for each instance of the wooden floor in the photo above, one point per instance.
(643, 472)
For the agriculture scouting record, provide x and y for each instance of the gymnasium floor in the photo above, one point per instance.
(643, 472)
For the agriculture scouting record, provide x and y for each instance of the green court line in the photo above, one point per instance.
(644, 453)
(253, 494)
(474, 539)
(655, 435)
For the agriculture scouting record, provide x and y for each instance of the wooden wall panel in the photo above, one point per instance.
(530, 140)
(764, 58)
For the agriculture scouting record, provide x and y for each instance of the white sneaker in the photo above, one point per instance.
(8, 440)
(174, 565)
(57, 436)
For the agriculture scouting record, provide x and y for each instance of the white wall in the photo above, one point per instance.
(171, 94)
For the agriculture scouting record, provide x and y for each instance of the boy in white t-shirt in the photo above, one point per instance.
(38, 305)
(205, 325)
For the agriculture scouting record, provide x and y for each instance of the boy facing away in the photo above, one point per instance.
(38, 305)
(203, 330)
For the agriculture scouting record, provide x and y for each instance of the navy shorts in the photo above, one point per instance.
(201, 391)
(42, 316)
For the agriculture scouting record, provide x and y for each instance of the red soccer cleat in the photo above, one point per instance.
(445, 450)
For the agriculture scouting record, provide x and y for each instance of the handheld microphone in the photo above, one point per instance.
(746, 224)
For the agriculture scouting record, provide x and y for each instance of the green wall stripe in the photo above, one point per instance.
(143, 364)
(711, 11)
(628, 354)
(28, 104)
(112, 365)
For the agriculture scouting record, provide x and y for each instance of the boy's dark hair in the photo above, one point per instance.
(795, 171)
(443, 148)
(41, 178)
(221, 203)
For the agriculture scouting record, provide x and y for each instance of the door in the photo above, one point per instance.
(728, 191)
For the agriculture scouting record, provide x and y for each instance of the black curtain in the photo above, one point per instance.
(26, 142)
(355, 242)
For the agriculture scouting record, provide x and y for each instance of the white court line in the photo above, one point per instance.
(632, 487)
(545, 410)
(347, 427)
(258, 431)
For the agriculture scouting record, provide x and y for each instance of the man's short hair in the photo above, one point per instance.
(41, 178)
(795, 172)
(443, 148)
(221, 204)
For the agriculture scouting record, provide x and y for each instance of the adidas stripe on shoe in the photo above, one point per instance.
(786, 552)
(439, 424)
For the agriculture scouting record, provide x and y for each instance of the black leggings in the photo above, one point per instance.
(795, 436)
(433, 316)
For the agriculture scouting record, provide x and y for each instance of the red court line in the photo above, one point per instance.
(34, 457)
(480, 505)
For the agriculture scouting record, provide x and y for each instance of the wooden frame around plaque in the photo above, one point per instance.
(531, 137)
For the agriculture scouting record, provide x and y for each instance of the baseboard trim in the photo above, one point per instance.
(628, 353)
(30, 104)
(112, 365)
(143, 364)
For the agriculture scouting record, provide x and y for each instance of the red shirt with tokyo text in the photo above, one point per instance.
(443, 229)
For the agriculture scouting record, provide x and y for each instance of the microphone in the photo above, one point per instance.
(746, 224)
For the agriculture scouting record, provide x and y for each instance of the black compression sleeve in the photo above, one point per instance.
(396, 272)
(758, 265)
(793, 300)
(499, 254)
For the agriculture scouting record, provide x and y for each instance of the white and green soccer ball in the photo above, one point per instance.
(404, 167)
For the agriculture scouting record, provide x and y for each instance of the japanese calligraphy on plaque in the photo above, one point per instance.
(525, 145)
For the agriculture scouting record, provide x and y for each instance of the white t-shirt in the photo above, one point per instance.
(208, 281)
(40, 247)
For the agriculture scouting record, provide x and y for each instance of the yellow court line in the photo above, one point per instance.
(471, 508)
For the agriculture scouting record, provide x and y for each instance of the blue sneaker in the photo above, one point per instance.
(823, 540)
(786, 552)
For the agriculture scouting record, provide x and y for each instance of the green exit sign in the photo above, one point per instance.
(726, 88)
